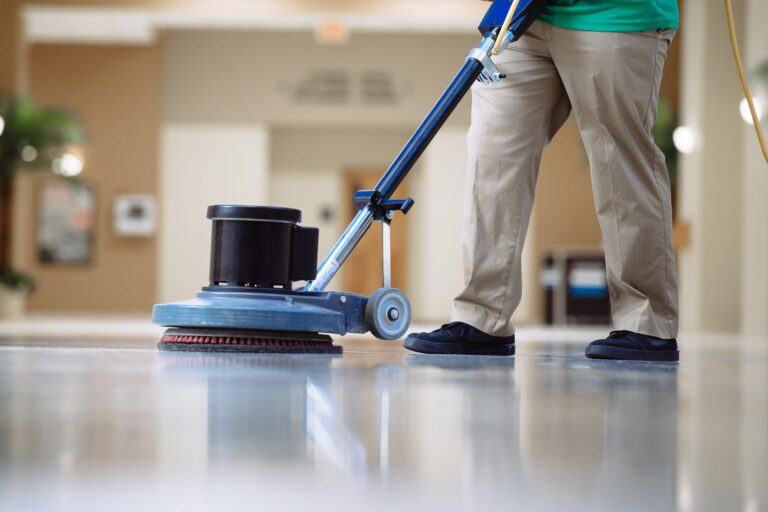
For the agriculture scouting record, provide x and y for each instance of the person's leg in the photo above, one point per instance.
(512, 121)
(613, 82)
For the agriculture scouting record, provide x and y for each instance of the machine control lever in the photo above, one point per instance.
(381, 207)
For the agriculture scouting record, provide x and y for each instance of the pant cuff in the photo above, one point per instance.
(482, 319)
(645, 328)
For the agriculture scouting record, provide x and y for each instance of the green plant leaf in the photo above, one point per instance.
(16, 280)
(49, 130)
(761, 72)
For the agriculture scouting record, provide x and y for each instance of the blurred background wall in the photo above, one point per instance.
(292, 103)
(115, 91)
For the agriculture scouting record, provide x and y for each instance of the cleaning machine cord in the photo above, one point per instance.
(743, 79)
(505, 27)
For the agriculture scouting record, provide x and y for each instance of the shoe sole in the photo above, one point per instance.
(605, 352)
(467, 349)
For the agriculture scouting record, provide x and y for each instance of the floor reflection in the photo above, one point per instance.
(548, 430)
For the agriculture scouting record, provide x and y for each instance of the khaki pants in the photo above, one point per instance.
(611, 82)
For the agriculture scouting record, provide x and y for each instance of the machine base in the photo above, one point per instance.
(267, 310)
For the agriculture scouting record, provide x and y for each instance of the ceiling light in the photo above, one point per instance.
(746, 115)
(68, 165)
(684, 139)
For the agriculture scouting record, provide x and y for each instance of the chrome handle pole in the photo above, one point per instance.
(341, 250)
(386, 252)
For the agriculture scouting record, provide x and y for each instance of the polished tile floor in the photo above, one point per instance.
(108, 423)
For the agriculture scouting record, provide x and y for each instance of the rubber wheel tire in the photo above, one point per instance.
(377, 313)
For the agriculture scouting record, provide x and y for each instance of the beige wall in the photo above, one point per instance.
(724, 273)
(307, 171)
(435, 259)
(203, 164)
(248, 76)
(754, 277)
(711, 177)
(116, 92)
(564, 213)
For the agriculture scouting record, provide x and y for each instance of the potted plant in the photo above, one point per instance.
(32, 138)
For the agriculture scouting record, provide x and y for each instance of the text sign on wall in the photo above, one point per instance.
(345, 87)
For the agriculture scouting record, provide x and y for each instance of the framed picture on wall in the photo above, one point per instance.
(66, 218)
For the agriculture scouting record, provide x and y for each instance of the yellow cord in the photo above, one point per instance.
(743, 78)
(505, 27)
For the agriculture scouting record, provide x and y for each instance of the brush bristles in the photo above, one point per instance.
(236, 340)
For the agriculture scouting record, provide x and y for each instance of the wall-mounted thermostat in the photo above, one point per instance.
(135, 215)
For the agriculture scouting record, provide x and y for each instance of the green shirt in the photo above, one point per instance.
(612, 15)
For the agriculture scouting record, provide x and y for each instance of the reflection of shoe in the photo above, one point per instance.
(460, 338)
(633, 346)
(461, 363)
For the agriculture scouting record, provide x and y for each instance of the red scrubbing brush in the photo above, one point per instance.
(238, 340)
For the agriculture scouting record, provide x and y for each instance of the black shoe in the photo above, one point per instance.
(460, 338)
(633, 346)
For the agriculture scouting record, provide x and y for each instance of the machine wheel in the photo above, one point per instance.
(388, 313)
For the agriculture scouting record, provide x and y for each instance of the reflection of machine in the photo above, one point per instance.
(276, 412)
(258, 252)
(304, 425)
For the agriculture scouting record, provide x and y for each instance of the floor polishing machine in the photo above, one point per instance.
(258, 253)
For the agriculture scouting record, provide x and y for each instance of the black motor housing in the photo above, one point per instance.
(260, 247)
